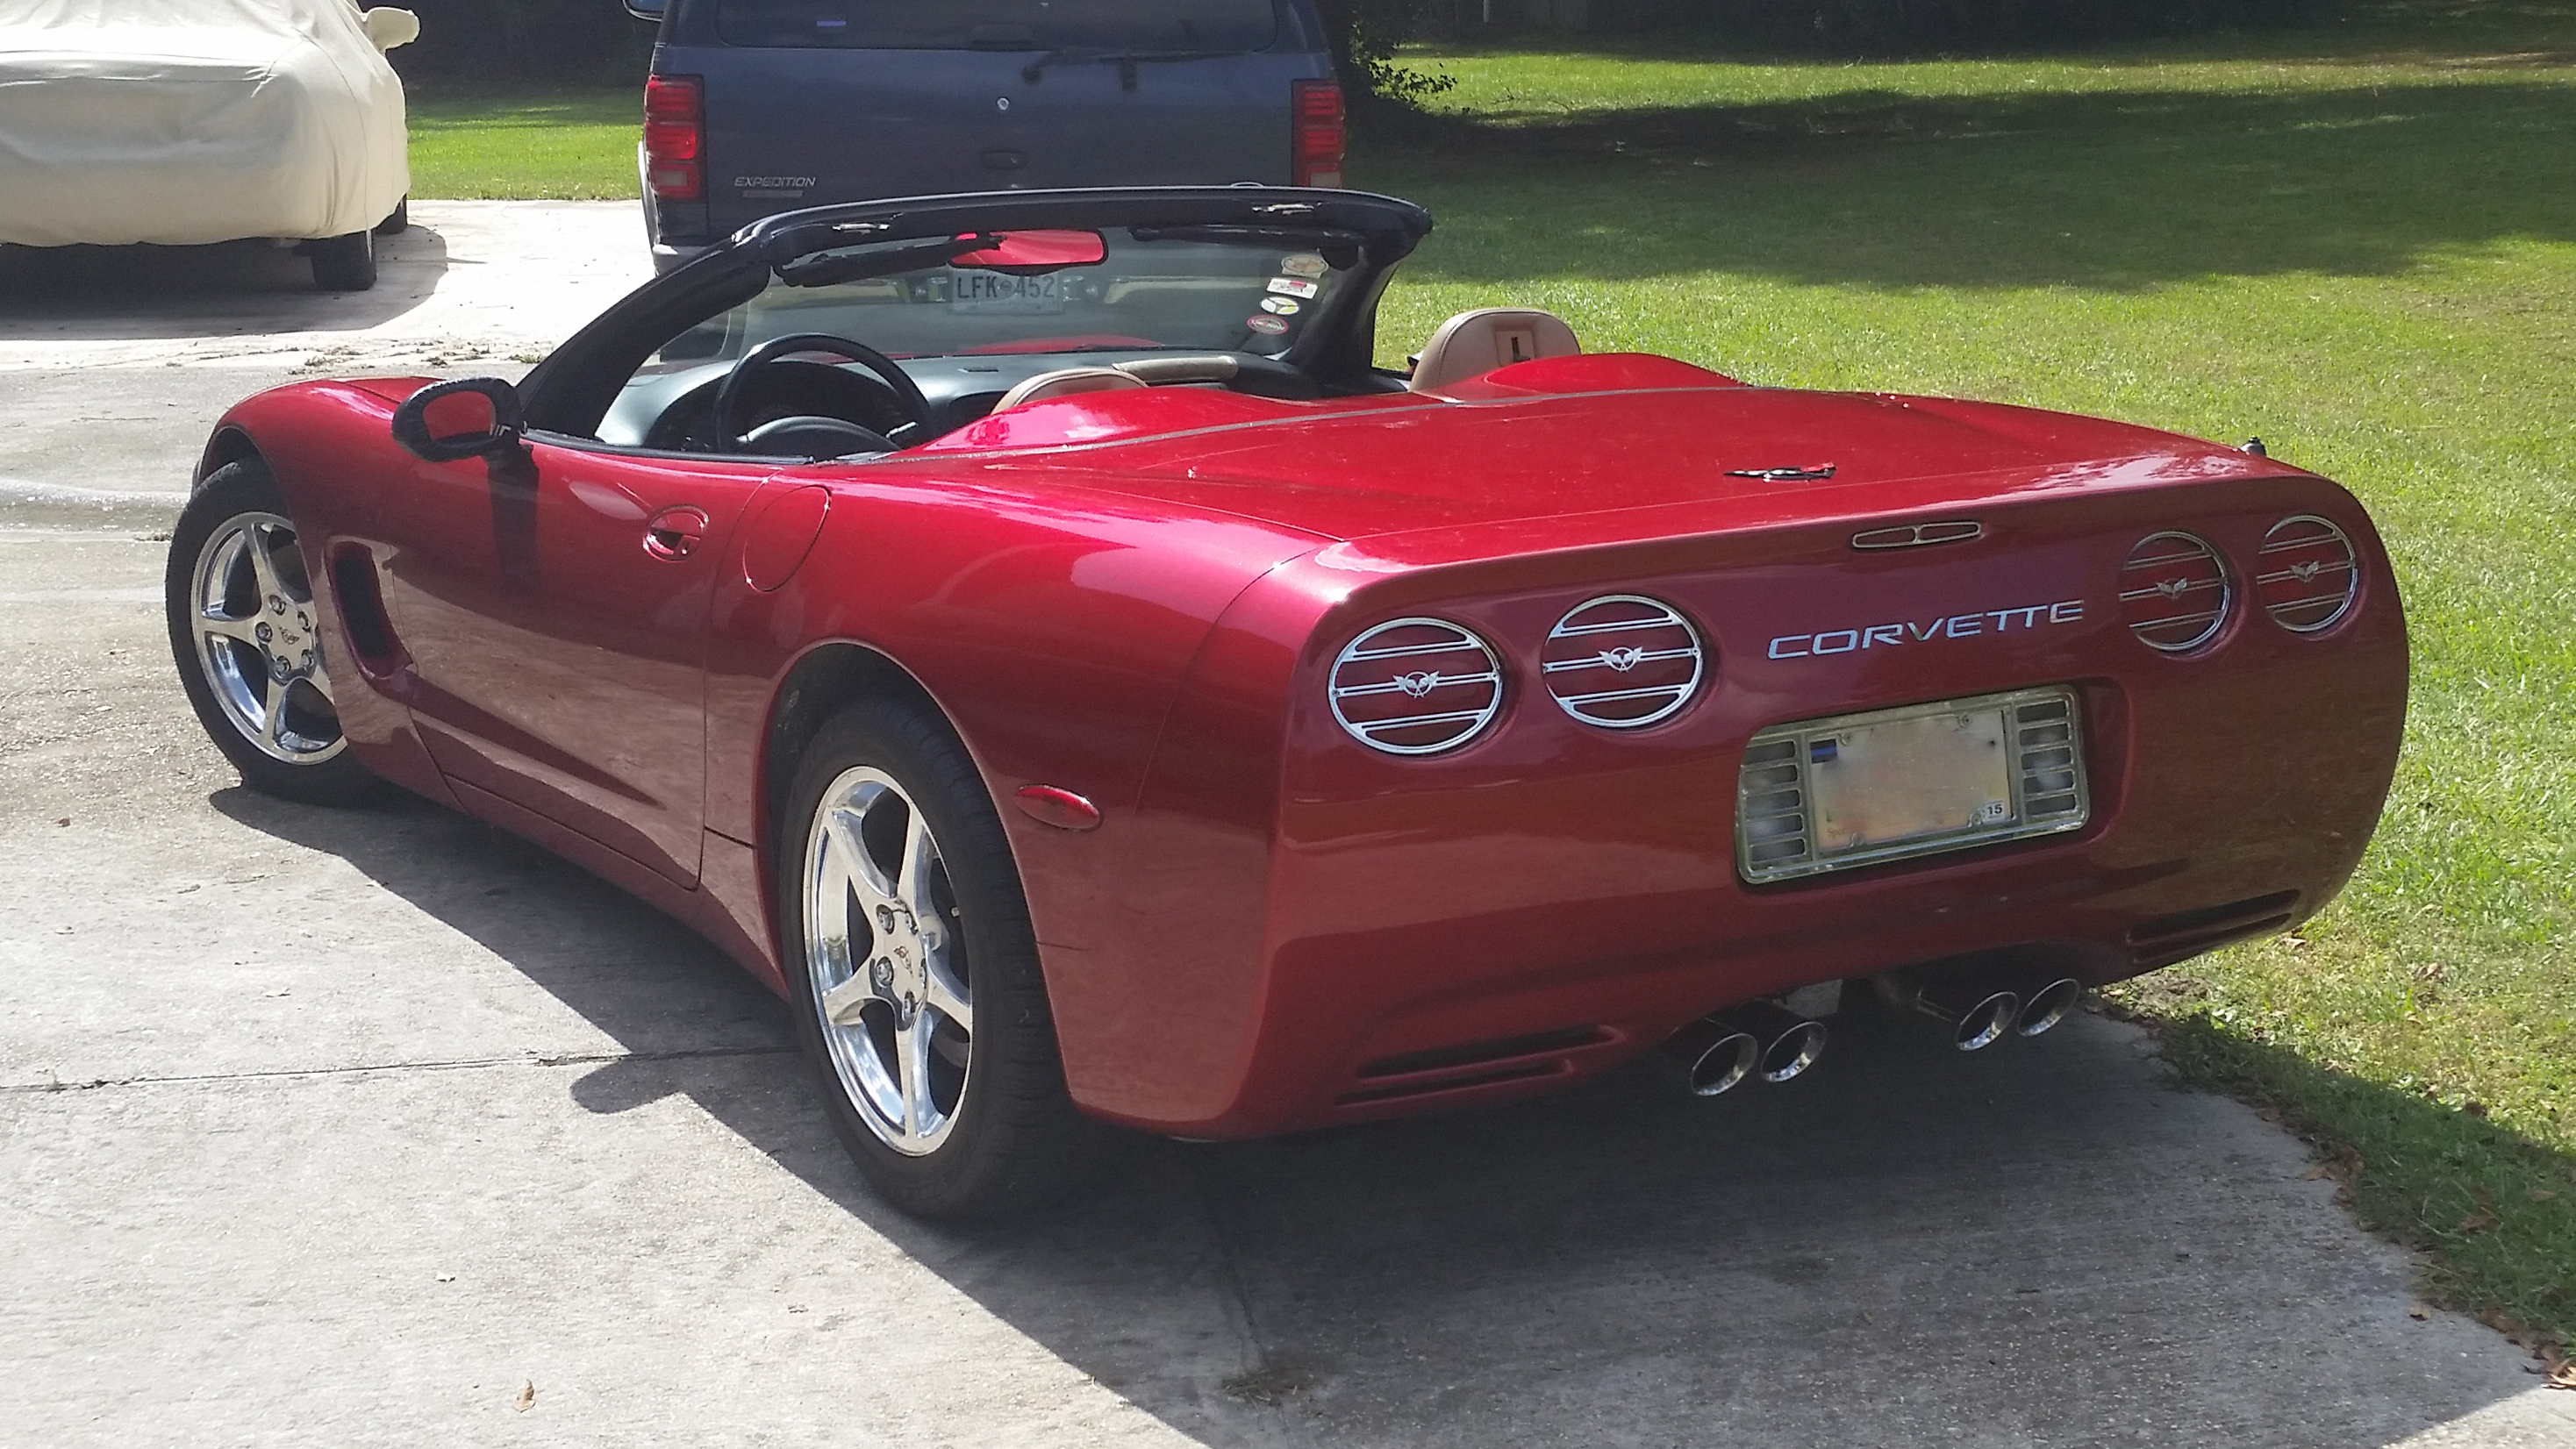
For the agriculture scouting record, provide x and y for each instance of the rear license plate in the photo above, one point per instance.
(1848, 790)
(999, 292)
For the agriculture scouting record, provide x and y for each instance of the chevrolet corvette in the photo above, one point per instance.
(1033, 635)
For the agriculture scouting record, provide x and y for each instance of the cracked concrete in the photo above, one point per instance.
(351, 1127)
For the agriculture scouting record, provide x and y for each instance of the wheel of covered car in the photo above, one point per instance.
(247, 638)
(397, 221)
(345, 263)
(915, 976)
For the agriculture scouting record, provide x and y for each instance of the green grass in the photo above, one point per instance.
(2358, 241)
(574, 145)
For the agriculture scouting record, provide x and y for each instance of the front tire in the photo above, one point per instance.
(913, 973)
(397, 220)
(247, 637)
(345, 263)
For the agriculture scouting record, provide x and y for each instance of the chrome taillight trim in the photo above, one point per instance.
(2265, 579)
(2211, 618)
(1461, 640)
(1675, 696)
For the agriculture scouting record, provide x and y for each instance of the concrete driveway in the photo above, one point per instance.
(378, 1127)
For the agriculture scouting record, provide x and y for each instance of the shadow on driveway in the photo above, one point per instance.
(2042, 1244)
(140, 293)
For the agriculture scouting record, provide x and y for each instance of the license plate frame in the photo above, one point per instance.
(1843, 791)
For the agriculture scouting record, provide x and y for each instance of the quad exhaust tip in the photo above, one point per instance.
(1981, 1017)
(1757, 1039)
(2048, 1006)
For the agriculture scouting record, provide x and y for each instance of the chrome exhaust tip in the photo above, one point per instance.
(2048, 1006)
(1982, 1017)
(1712, 1056)
(1790, 1042)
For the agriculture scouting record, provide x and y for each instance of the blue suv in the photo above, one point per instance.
(761, 106)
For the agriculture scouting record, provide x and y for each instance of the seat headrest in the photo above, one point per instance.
(1065, 382)
(1472, 344)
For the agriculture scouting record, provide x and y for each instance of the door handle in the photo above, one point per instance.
(674, 533)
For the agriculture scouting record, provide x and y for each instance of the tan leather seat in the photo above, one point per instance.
(1472, 344)
(1066, 382)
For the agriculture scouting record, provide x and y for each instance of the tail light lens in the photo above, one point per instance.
(1416, 686)
(674, 129)
(2174, 593)
(2306, 578)
(1315, 111)
(1622, 661)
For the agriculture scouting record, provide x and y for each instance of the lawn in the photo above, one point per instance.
(2357, 241)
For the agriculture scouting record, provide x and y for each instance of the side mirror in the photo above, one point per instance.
(467, 418)
(647, 9)
(387, 28)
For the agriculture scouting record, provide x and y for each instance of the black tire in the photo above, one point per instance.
(1014, 1140)
(345, 263)
(307, 758)
(397, 221)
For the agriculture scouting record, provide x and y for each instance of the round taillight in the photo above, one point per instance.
(1416, 686)
(1622, 661)
(2174, 593)
(2306, 577)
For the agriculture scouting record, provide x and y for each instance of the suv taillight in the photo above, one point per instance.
(673, 125)
(1315, 110)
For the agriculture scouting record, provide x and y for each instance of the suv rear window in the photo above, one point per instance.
(1116, 26)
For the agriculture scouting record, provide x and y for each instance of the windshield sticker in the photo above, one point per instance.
(1280, 305)
(1264, 323)
(1292, 286)
(1302, 264)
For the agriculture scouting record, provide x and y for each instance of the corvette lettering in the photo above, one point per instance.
(1956, 626)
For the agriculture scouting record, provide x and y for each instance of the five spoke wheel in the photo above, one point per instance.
(888, 971)
(252, 615)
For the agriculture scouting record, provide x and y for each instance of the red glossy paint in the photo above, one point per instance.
(1135, 597)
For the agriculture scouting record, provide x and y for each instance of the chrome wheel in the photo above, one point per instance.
(886, 966)
(258, 640)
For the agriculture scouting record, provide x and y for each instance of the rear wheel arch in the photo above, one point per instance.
(828, 678)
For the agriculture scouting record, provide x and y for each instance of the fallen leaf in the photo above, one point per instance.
(2418, 1311)
(446, 1277)
(2312, 1174)
(66, 820)
(2429, 971)
(2541, 1194)
(2476, 1222)
(527, 1398)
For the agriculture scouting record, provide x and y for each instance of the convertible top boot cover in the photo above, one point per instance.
(192, 121)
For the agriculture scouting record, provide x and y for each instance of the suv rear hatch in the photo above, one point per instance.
(810, 102)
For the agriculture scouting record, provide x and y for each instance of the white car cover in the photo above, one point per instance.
(190, 121)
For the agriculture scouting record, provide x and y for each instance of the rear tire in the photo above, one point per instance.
(345, 263)
(913, 974)
(395, 223)
(248, 639)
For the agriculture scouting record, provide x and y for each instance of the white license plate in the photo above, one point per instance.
(1904, 779)
(1001, 293)
(1857, 789)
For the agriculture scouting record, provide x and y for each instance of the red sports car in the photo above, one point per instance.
(1029, 633)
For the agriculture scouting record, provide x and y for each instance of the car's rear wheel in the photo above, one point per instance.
(396, 220)
(345, 263)
(914, 973)
(247, 637)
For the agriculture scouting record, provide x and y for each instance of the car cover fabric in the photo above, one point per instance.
(190, 121)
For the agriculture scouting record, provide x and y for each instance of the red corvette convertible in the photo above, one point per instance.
(1029, 633)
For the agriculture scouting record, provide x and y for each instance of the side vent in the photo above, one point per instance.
(2174, 593)
(2305, 577)
(1622, 662)
(1416, 687)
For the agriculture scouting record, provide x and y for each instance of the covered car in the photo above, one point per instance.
(1032, 634)
(181, 122)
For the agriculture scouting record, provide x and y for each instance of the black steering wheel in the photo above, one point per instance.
(736, 392)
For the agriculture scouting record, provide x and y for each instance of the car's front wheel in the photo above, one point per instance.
(247, 638)
(914, 973)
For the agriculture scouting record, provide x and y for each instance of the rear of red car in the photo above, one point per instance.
(1548, 789)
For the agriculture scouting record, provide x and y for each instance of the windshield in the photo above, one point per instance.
(1197, 288)
(1079, 25)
